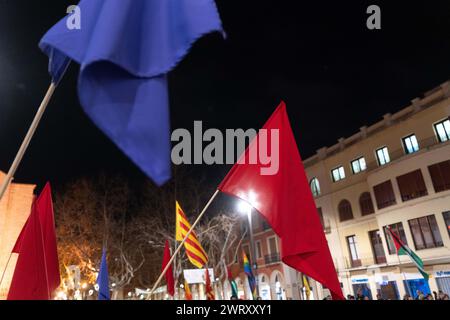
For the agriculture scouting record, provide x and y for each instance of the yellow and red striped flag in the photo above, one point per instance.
(194, 250)
(187, 291)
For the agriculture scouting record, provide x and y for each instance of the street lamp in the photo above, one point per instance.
(245, 207)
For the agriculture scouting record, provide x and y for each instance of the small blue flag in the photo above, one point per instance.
(103, 279)
(125, 49)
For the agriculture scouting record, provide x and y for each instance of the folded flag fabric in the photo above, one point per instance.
(38, 231)
(187, 291)
(234, 288)
(194, 250)
(29, 280)
(103, 279)
(170, 281)
(307, 287)
(44, 206)
(403, 249)
(208, 288)
(251, 278)
(125, 49)
(285, 201)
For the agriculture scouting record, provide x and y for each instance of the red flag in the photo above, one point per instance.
(169, 274)
(285, 201)
(43, 207)
(30, 276)
(208, 288)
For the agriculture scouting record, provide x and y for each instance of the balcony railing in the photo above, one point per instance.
(362, 262)
(272, 258)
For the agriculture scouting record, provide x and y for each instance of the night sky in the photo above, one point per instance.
(318, 56)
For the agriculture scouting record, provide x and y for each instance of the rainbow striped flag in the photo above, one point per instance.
(194, 250)
(250, 276)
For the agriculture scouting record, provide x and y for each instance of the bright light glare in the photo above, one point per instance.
(244, 207)
(250, 202)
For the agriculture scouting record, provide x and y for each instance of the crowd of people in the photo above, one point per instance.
(419, 296)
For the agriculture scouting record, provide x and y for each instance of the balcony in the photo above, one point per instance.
(363, 262)
(272, 258)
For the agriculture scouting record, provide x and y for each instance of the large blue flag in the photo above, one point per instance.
(103, 279)
(125, 48)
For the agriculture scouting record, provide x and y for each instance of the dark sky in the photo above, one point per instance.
(334, 74)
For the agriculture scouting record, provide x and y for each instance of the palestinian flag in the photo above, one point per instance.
(403, 249)
(234, 288)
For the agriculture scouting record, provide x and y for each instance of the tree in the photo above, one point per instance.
(92, 214)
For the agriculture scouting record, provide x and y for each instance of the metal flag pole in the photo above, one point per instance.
(182, 242)
(27, 140)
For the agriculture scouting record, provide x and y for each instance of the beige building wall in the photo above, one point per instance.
(419, 119)
(15, 208)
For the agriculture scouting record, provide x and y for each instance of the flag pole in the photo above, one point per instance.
(182, 242)
(4, 270)
(27, 140)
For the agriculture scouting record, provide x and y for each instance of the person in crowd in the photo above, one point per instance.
(419, 295)
(440, 296)
(407, 297)
(379, 297)
(233, 297)
(429, 297)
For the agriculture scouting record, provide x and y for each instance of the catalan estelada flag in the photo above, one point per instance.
(194, 250)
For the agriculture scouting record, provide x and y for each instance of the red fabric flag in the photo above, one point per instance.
(43, 207)
(285, 201)
(169, 274)
(30, 276)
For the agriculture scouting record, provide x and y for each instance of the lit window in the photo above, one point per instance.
(315, 187)
(410, 144)
(359, 165)
(338, 174)
(383, 156)
(443, 130)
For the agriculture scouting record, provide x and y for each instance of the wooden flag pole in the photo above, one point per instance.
(182, 243)
(26, 141)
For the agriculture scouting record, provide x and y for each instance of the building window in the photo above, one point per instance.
(359, 165)
(315, 187)
(397, 228)
(412, 185)
(272, 245)
(366, 204)
(352, 247)
(447, 221)
(410, 144)
(338, 173)
(440, 175)
(425, 232)
(384, 195)
(345, 210)
(377, 246)
(383, 156)
(258, 249)
(443, 130)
